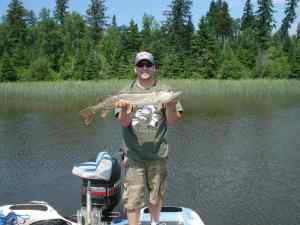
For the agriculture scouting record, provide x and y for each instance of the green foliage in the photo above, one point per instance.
(40, 69)
(232, 68)
(71, 46)
(67, 69)
(295, 59)
(173, 67)
(247, 48)
(277, 66)
(8, 71)
(50, 41)
(110, 51)
(74, 33)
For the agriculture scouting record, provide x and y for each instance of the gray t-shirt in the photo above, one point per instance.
(144, 139)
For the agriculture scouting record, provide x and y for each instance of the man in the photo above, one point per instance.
(146, 149)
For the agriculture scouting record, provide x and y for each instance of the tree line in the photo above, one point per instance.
(66, 45)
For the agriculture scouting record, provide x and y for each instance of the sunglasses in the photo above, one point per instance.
(148, 65)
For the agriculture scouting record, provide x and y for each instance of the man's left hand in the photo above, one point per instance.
(171, 104)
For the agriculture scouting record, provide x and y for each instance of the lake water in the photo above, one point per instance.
(232, 161)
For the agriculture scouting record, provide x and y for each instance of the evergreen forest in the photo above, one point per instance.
(65, 45)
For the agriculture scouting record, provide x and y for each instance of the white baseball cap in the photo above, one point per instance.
(143, 56)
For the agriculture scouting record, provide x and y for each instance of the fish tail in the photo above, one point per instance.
(88, 115)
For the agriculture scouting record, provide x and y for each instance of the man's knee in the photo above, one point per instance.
(132, 211)
(154, 202)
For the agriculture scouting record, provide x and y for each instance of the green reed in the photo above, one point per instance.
(73, 95)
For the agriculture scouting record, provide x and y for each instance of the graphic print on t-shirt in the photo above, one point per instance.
(148, 114)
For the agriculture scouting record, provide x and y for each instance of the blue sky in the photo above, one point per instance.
(135, 9)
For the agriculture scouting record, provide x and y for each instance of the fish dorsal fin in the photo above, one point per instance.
(102, 98)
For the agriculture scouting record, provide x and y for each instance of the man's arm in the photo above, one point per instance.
(171, 113)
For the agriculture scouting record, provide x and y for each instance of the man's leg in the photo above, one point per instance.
(133, 216)
(133, 195)
(156, 181)
(154, 208)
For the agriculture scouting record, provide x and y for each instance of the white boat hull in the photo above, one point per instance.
(33, 212)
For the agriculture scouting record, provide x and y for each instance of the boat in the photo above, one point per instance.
(99, 197)
(41, 213)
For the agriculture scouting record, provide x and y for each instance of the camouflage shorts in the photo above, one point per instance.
(151, 175)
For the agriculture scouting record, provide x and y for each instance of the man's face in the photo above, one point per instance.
(145, 70)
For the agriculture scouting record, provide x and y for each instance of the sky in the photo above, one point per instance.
(125, 10)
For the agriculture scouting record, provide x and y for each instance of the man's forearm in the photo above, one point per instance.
(125, 118)
(172, 114)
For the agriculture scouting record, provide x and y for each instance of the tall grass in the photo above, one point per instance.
(73, 95)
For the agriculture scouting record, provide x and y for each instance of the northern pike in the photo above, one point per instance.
(134, 99)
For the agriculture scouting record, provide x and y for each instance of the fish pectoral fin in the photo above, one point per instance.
(88, 115)
(104, 113)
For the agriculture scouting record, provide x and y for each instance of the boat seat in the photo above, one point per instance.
(100, 169)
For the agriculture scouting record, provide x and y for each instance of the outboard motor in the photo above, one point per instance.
(101, 189)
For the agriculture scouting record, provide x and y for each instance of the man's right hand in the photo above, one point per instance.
(124, 105)
(124, 116)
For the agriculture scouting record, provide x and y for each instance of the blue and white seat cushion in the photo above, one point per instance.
(99, 169)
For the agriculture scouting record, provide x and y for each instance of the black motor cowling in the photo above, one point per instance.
(105, 195)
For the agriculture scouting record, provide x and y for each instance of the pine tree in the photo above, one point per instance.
(8, 71)
(75, 33)
(3, 39)
(96, 19)
(248, 18)
(189, 35)
(205, 51)
(91, 68)
(131, 40)
(219, 19)
(264, 26)
(295, 58)
(264, 22)
(50, 40)
(247, 49)
(44, 14)
(178, 17)
(290, 16)
(298, 30)
(110, 49)
(114, 21)
(16, 22)
(31, 18)
(226, 21)
(61, 10)
(146, 32)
